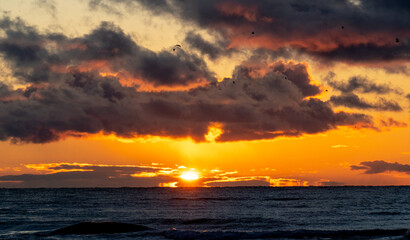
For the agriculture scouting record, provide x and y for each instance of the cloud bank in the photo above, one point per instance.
(57, 175)
(355, 32)
(374, 167)
(105, 82)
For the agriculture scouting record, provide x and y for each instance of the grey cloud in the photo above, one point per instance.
(108, 8)
(400, 69)
(212, 50)
(363, 85)
(48, 5)
(32, 56)
(369, 52)
(298, 75)
(369, 29)
(66, 95)
(374, 167)
(390, 122)
(96, 176)
(353, 101)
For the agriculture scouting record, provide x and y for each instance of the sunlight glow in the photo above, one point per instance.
(189, 176)
(170, 184)
(214, 131)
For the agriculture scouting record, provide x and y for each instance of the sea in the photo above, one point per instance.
(210, 213)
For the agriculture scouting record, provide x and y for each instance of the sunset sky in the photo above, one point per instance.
(141, 93)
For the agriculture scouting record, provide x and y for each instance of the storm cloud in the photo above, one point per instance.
(374, 167)
(92, 84)
(349, 31)
(351, 100)
(213, 50)
(362, 85)
(37, 57)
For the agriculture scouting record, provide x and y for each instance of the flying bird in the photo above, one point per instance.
(253, 32)
(343, 27)
(177, 45)
(397, 40)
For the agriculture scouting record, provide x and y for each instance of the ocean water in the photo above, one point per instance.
(211, 213)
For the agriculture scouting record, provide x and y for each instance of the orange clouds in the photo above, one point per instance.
(91, 175)
(239, 10)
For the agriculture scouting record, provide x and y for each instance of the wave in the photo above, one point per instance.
(218, 221)
(233, 199)
(284, 199)
(206, 199)
(385, 213)
(297, 234)
(99, 228)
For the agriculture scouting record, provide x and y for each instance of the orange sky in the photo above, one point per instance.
(356, 153)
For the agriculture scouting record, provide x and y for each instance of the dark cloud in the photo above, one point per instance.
(362, 85)
(399, 69)
(408, 96)
(101, 5)
(88, 176)
(212, 50)
(297, 73)
(37, 57)
(351, 100)
(390, 122)
(67, 92)
(366, 52)
(369, 32)
(374, 167)
(48, 5)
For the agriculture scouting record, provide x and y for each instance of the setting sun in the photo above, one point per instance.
(189, 176)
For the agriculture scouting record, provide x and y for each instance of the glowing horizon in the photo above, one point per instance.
(247, 93)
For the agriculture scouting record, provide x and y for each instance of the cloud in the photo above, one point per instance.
(57, 175)
(100, 5)
(379, 166)
(339, 146)
(37, 57)
(87, 175)
(367, 52)
(328, 30)
(288, 182)
(91, 84)
(362, 85)
(298, 75)
(400, 69)
(390, 122)
(212, 50)
(48, 5)
(351, 100)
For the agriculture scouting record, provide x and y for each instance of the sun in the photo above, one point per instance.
(189, 176)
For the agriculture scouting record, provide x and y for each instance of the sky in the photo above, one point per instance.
(177, 93)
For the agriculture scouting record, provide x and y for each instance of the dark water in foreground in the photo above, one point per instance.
(211, 213)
